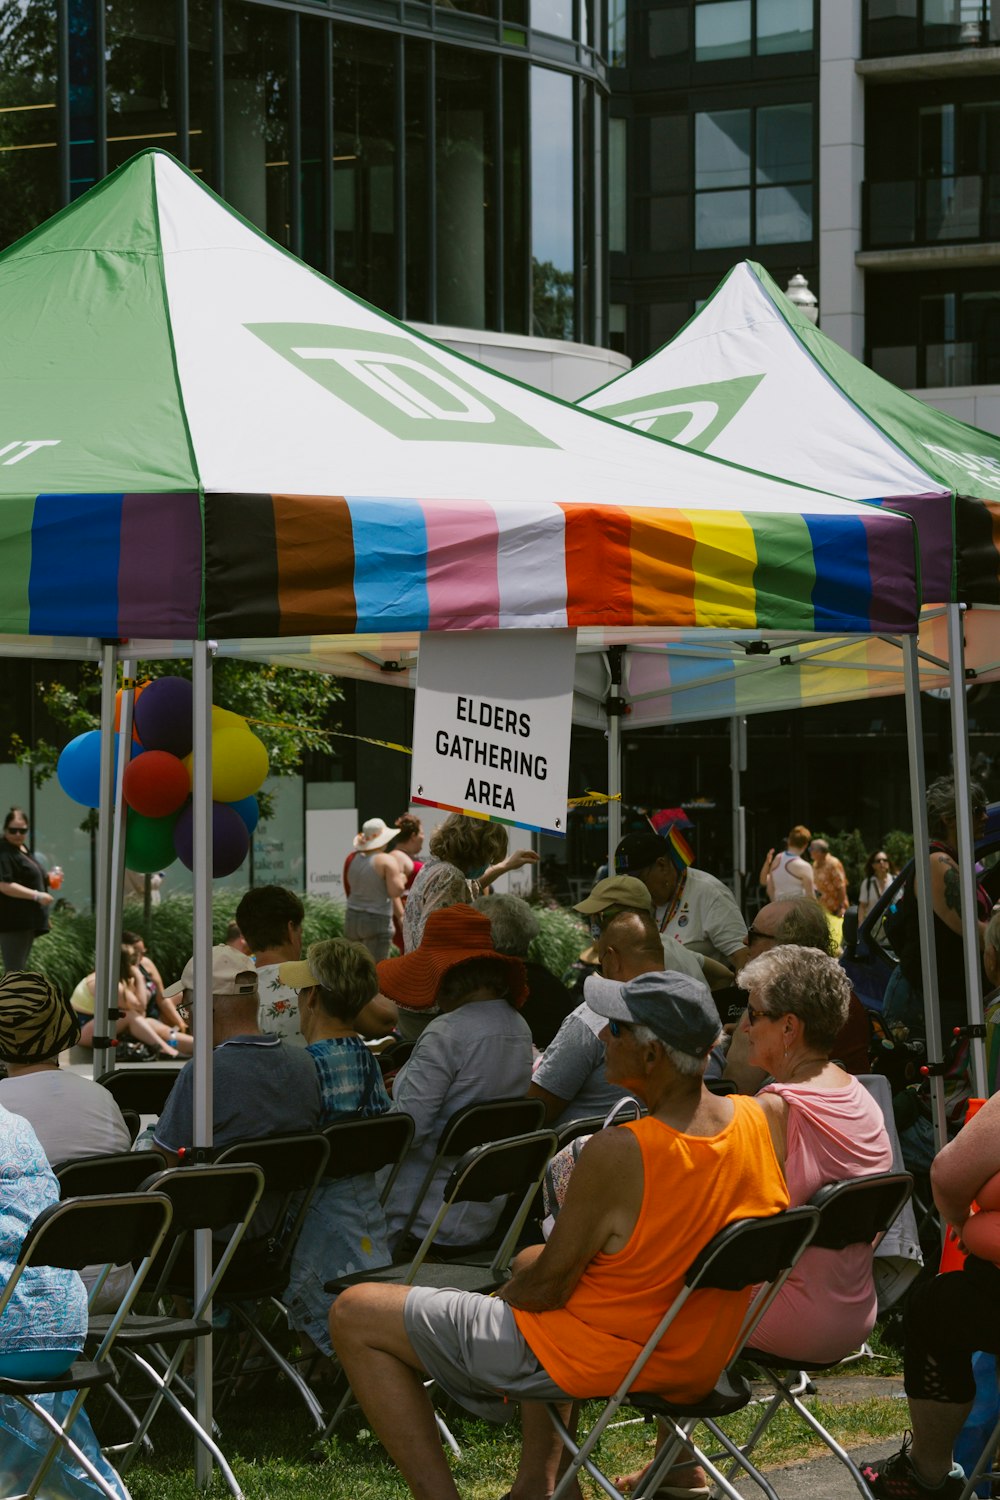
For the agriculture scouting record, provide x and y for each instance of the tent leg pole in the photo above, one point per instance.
(966, 844)
(116, 892)
(201, 678)
(103, 981)
(737, 765)
(616, 664)
(921, 855)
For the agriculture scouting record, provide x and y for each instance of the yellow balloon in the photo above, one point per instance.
(239, 764)
(224, 718)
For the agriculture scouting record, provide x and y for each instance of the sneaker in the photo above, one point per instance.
(896, 1480)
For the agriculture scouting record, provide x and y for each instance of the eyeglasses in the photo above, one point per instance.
(617, 1028)
(880, 861)
(757, 1015)
(754, 935)
(17, 828)
(183, 1007)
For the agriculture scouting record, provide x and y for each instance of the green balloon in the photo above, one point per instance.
(149, 843)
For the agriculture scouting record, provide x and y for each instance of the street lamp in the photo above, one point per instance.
(798, 293)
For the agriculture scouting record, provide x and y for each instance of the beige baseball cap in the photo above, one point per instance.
(232, 974)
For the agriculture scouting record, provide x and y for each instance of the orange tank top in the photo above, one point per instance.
(693, 1187)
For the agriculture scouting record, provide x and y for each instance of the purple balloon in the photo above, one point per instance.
(230, 839)
(163, 716)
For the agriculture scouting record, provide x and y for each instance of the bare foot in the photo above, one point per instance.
(680, 1477)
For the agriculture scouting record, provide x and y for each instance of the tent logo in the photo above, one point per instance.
(396, 382)
(978, 466)
(693, 416)
(24, 448)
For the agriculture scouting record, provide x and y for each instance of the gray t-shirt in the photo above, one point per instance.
(572, 1068)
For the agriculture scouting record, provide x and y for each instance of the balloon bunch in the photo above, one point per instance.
(157, 780)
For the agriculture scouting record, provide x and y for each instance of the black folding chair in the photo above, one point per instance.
(118, 1172)
(144, 1089)
(513, 1168)
(855, 1212)
(368, 1145)
(751, 1252)
(475, 1125)
(216, 1197)
(72, 1234)
(258, 1273)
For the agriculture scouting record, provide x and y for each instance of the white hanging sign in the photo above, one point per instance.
(491, 725)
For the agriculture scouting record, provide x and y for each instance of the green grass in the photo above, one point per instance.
(269, 1445)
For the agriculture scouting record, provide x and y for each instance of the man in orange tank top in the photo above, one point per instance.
(643, 1200)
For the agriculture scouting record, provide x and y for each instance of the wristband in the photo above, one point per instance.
(36, 895)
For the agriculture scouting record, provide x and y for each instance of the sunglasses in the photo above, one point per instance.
(757, 1015)
(618, 1028)
(754, 935)
(880, 861)
(16, 828)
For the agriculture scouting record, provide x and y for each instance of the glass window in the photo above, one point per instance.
(255, 101)
(201, 115)
(141, 80)
(617, 326)
(669, 171)
(617, 184)
(722, 148)
(784, 26)
(552, 178)
(515, 248)
(784, 143)
(668, 227)
(722, 220)
(29, 160)
(466, 220)
(722, 30)
(84, 105)
(417, 137)
(668, 35)
(364, 209)
(314, 38)
(617, 32)
(553, 16)
(784, 215)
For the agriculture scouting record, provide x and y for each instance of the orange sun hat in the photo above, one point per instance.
(452, 936)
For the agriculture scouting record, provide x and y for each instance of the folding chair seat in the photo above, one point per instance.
(214, 1197)
(750, 1253)
(855, 1212)
(475, 1125)
(514, 1168)
(143, 1089)
(72, 1234)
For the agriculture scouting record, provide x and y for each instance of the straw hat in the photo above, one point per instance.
(452, 936)
(374, 835)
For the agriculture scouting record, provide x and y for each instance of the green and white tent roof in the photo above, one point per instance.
(202, 437)
(750, 379)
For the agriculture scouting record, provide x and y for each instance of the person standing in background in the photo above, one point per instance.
(404, 851)
(831, 886)
(789, 875)
(24, 899)
(377, 885)
(874, 884)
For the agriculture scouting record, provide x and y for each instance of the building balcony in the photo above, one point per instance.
(901, 28)
(931, 212)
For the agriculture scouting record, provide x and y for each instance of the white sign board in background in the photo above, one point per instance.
(491, 725)
(329, 835)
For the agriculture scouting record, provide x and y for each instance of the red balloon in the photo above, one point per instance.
(156, 784)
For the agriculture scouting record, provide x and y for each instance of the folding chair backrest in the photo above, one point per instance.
(95, 1230)
(857, 1211)
(575, 1128)
(515, 1166)
(292, 1165)
(368, 1145)
(211, 1196)
(495, 1120)
(751, 1251)
(143, 1089)
(133, 1124)
(119, 1172)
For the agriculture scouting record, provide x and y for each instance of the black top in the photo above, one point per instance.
(16, 914)
(547, 1006)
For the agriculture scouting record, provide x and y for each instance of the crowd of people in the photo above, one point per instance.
(739, 1043)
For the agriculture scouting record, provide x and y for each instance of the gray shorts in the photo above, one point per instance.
(475, 1351)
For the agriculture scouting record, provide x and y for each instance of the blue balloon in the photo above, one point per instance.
(249, 810)
(78, 770)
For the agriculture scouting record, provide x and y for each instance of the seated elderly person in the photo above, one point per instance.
(641, 1202)
(344, 1230)
(618, 893)
(571, 1079)
(515, 926)
(948, 1320)
(71, 1116)
(260, 1085)
(478, 1049)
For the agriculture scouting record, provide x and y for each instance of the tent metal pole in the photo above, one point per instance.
(614, 707)
(116, 892)
(737, 765)
(104, 981)
(201, 678)
(921, 856)
(966, 844)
